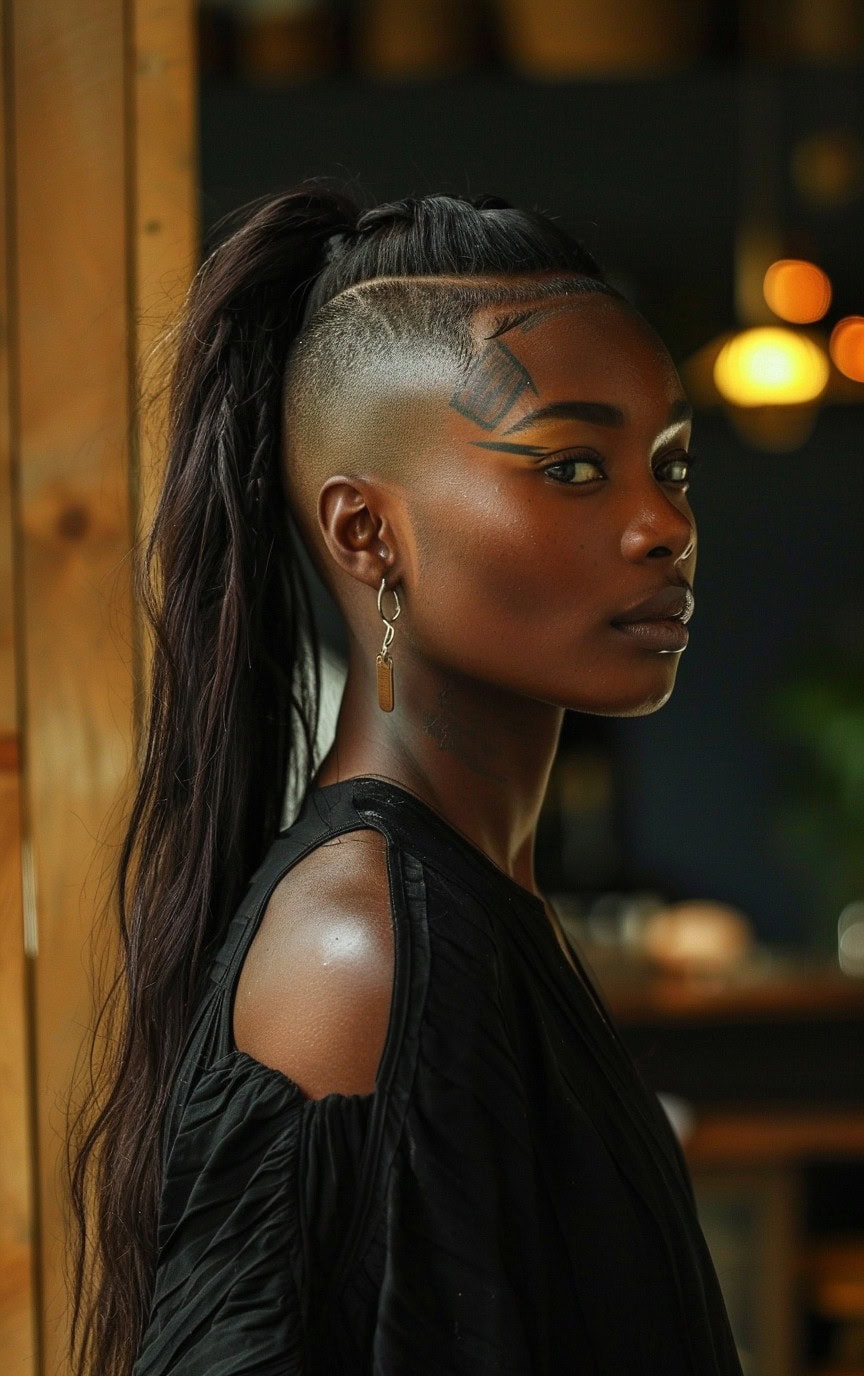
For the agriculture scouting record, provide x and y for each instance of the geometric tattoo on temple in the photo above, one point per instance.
(493, 383)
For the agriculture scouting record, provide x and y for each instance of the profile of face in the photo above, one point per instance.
(550, 503)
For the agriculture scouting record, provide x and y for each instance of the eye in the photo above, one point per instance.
(572, 464)
(682, 466)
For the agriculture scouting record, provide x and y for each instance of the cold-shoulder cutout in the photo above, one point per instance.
(313, 999)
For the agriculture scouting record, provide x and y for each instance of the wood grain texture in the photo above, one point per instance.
(104, 220)
(17, 1224)
(17, 1231)
(8, 695)
(71, 120)
(165, 231)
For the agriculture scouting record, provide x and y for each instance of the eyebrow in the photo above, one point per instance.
(531, 451)
(594, 412)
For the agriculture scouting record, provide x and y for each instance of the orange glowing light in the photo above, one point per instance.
(847, 346)
(771, 366)
(796, 290)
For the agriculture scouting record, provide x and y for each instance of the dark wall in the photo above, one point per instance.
(642, 171)
(780, 576)
(654, 176)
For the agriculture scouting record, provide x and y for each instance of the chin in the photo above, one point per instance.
(628, 703)
(643, 709)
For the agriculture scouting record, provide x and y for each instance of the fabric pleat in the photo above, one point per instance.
(511, 1199)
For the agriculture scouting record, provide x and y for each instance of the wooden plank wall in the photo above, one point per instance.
(17, 1225)
(99, 245)
(165, 220)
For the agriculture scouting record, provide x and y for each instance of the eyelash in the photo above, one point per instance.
(685, 455)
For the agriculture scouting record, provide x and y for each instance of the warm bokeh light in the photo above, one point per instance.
(771, 366)
(847, 346)
(850, 939)
(797, 290)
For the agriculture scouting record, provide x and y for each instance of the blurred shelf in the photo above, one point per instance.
(772, 1137)
(770, 985)
(857, 1370)
(832, 1271)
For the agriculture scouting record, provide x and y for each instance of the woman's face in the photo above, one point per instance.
(555, 504)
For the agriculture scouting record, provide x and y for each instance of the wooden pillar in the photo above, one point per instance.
(99, 149)
(18, 1249)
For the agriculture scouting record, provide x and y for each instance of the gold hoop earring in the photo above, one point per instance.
(384, 662)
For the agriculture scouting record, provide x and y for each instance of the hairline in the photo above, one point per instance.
(555, 280)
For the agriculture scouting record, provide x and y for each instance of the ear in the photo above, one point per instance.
(356, 529)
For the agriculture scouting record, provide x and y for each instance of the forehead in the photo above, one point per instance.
(595, 341)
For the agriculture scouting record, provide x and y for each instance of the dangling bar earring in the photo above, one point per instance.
(384, 662)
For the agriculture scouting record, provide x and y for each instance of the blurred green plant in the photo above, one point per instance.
(816, 718)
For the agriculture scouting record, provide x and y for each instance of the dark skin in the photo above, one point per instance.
(508, 578)
(512, 543)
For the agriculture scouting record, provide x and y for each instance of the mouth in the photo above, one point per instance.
(673, 602)
(667, 633)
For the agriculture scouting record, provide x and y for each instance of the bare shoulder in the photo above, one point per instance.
(314, 994)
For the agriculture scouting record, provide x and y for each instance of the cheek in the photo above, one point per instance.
(502, 571)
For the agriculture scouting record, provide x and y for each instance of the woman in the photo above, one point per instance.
(367, 1112)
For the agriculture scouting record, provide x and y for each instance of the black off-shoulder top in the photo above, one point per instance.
(510, 1201)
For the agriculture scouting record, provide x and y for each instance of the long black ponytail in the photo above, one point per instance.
(231, 717)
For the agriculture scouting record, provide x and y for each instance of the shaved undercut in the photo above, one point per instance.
(366, 371)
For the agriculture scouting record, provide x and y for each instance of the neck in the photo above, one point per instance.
(479, 755)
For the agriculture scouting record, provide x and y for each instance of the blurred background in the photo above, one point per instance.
(706, 860)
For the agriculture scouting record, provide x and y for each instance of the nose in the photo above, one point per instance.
(659, 530)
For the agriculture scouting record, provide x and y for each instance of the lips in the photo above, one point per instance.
(673, 603)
